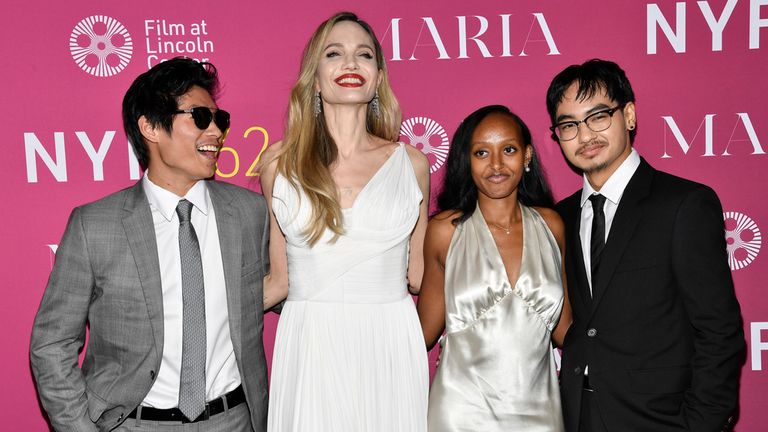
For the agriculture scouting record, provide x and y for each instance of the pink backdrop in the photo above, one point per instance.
(698, 69)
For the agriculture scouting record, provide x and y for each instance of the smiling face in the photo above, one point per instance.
(498, 155)
(347, 71)
(598, 154)
(187, 154)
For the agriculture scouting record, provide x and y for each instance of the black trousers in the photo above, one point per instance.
(590, 418)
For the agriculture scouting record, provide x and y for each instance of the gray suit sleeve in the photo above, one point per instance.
(59, 333)
(265, 254)
(265, 240)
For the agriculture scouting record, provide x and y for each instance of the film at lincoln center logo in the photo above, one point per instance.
(743, 239)
(428, 136)
(101, 45)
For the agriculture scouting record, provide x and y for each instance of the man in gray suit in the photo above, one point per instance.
(167, 275)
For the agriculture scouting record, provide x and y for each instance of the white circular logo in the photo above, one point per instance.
(101, 45)
(743, 239)
(428, 136)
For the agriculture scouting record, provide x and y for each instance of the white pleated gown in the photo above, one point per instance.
(349, 353)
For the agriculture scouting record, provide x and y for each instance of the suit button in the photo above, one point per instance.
(577, 370)
(120, 418)
(592, 332)
(152, 375)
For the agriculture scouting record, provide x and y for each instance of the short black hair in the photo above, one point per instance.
(591, 77)
(459, 191)
(155, 94)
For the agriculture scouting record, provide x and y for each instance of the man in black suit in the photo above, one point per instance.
(656, 342)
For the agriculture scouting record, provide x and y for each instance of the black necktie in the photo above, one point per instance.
(192, 385)
(598, 235)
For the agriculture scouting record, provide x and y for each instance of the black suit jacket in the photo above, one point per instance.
(662, 333)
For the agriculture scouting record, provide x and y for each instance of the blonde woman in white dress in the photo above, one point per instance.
(349, 213)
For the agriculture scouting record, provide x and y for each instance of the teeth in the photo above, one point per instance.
(208, 148)
(350, 81)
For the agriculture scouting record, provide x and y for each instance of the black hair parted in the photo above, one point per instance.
(459, 191)
(591, 77)
(155, 94)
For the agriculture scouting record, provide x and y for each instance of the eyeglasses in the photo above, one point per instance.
(596, 122)
(204, 115)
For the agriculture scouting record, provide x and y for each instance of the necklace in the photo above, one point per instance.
(506, 230)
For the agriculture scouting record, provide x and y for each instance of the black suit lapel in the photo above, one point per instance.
(628, 214)
(571, 213)
(578, 260)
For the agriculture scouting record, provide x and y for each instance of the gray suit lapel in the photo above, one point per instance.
(140, 232)
(230, 240)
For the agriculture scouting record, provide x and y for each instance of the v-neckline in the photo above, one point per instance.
(495, 247)
(370, 180)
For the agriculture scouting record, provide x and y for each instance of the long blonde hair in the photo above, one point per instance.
(308, 150)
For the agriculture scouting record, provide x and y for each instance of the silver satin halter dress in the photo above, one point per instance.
(497, 368)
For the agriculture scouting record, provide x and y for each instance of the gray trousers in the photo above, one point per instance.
(237, 419)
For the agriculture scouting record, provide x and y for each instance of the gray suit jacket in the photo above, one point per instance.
(107, 276)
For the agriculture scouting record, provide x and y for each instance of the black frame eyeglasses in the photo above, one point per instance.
(204, 115)
(596, 122)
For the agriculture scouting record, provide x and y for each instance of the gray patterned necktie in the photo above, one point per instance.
(192, 386)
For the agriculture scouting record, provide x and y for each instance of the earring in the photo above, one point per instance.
(317, 106)
(632, 127)
(375, 105)
(527, 168)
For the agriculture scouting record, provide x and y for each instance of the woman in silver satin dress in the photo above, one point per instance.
(493, 280)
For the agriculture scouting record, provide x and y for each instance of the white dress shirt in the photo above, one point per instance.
(612, 190)
(221, 373)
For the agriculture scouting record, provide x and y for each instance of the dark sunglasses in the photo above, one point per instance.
(203, 117)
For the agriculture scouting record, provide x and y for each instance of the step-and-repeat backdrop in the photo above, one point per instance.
(698, 69)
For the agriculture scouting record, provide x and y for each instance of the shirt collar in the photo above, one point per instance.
(613, 189)
(166, 201)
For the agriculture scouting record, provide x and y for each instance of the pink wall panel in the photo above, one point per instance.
(698, 70)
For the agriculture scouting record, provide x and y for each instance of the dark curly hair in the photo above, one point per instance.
(155, 94)
(591, 77)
